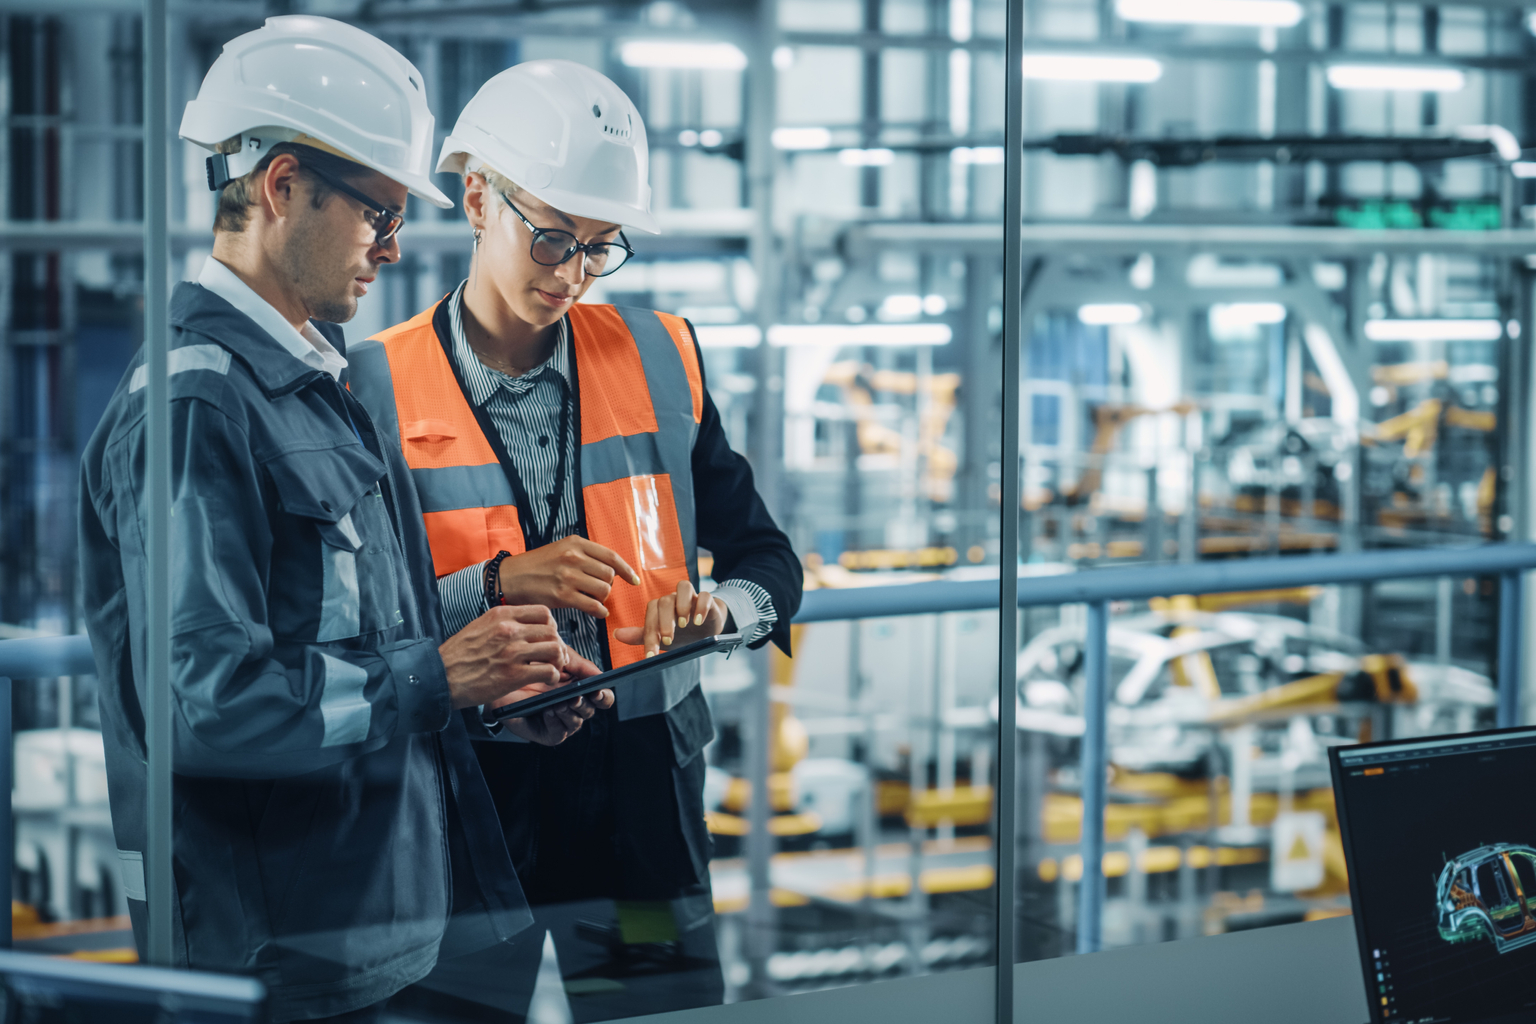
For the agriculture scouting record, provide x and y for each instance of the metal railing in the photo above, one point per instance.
(71, 655)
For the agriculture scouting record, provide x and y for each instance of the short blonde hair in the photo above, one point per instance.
(495, 179)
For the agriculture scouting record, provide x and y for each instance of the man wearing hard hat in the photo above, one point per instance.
(570, 455)
(333, 831)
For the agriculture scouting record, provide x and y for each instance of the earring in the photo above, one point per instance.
(476, 259)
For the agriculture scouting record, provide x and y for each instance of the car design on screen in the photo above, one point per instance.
(1482, 896)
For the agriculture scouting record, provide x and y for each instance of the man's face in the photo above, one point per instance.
(331, 253)
(536, 294)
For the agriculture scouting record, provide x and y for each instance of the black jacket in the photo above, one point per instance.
(329, 814)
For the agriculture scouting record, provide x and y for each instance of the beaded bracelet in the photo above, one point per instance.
(493, 594)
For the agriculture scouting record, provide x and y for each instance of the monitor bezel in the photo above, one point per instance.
(1356, 905)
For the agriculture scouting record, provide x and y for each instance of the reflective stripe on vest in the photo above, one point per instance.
(635, 459)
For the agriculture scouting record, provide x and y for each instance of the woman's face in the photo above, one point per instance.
(534, 293)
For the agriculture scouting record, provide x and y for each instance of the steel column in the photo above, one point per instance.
(1014, 287)
(1510, 587)
(1090, 895)
(157, 505)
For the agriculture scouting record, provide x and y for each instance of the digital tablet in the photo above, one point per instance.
(725, 642)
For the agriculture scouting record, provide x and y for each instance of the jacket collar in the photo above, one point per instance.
(199, 311)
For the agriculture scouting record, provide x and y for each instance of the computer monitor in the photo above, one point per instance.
(45, 990)
(1440, 838)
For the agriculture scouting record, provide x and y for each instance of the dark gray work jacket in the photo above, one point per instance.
(333, 832)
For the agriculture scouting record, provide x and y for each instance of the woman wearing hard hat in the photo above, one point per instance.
(332, 828)
(570, 455)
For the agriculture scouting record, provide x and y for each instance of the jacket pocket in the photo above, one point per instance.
(352, 552)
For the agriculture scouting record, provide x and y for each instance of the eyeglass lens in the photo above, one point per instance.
(552, 248)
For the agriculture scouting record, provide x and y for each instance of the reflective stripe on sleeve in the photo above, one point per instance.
(130, 864)
(346, 711)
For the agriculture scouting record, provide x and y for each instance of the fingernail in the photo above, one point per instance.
(698, 620)
(666, 640)
(682, 620)
(650, 654)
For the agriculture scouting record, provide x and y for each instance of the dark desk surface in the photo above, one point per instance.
(1292, 974)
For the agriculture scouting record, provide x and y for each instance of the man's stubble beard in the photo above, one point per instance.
(312, 258)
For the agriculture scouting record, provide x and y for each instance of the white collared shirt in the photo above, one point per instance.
(307, 344)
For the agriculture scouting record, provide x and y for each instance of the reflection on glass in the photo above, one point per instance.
(859, 371)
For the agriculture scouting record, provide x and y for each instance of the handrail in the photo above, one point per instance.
(39, 657)
(1133, 583)
(35, 657)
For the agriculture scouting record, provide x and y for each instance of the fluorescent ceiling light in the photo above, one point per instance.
(1523, 168)
(1258, 13)
(1062, 67)
(901, 307)
(801, 138)
(859, 334)
(1395, 77)
(728, 335)
(866, 157)
(1246, 314)
(977, 154)
(1434, 330)
(1099, 314)
(664, 53)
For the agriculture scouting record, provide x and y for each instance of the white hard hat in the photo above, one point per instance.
(322, 83)
(565, 133)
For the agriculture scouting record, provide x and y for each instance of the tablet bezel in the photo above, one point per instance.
(726, 642)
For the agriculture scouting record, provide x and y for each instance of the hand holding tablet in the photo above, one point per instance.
(617, 677)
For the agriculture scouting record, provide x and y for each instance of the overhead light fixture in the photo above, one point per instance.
(728, 335)
(1523, 168)
(1065, 67)
(1257, 13)
(1396, 77)
(801, 138)
(866, 157)
(901, 307)
(980, 155)
(859, 334)
(1228, 318)
(666, 53)
(1104, 314)
(1434, 330)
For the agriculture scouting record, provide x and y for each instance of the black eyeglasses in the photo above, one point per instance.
(552, 247)
(386, 222)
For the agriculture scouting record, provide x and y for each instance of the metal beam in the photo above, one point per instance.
(1137, 583)
(1251, 240)
(1015, 294)
(1093, 765)
(157, 488)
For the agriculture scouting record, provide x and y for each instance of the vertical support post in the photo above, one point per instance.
(7, 825)
(157, 718)
(1090, 898)
(757, 751)
(1509, 648)
(1015, 293)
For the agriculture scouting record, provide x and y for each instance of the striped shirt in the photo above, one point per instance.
(526, 411)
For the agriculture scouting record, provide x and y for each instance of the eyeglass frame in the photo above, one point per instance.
(387, 223)
(585, 248)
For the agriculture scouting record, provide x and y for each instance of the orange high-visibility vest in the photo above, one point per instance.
(641, 397)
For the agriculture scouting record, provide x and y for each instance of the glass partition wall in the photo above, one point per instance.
(830, 179)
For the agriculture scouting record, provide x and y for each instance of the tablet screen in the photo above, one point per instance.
(726, 642)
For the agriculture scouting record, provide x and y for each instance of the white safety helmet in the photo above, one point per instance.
(565, 133)
(321, 83)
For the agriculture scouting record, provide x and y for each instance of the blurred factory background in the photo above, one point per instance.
(1278, 263)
